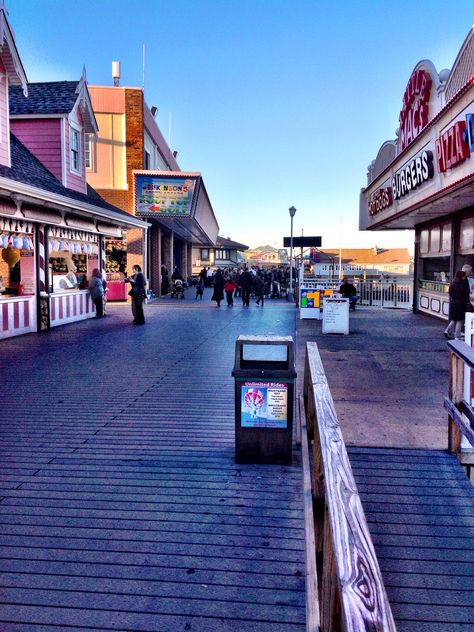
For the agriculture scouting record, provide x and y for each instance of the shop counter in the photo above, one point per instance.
(433, 298)
(17, 315)
(117, 290)
(69, 306)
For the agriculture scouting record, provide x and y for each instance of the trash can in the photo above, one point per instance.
(264, 373)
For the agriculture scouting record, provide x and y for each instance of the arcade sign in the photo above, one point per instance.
(380, 200)
(414, 114)
(414, 174)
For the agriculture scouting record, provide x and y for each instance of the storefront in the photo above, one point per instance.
(47, 255)
(424, 179)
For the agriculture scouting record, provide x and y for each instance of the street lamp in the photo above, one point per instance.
(290, 296)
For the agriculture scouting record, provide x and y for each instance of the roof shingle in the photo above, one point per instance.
(54, 97)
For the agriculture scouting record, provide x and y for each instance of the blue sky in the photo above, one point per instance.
(277, 103)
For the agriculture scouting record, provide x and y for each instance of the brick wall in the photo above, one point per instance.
(134, 157)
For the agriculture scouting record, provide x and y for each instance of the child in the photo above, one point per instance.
(229, 288)
(200, 289)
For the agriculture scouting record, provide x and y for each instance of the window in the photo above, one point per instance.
(435, 239)
(424, 241)
(222, 254)
(466, 237)
(75, 146)
(147, 160)
(205, 254)
(89, 151)
(446, 238)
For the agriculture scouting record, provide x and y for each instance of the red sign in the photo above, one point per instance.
(414, 114)
(379, 200)
(452, 147)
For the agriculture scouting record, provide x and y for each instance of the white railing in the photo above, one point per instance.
(385, 294)
(371, 293)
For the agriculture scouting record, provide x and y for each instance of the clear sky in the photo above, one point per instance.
(277, 103)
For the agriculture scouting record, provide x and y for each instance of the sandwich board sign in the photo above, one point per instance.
(335, 315)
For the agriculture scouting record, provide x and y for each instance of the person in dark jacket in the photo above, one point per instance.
(96, 290)
(349, 291)
(458, 304)
(218, 294)
(259, 286)
(246, 284)
(138, 294)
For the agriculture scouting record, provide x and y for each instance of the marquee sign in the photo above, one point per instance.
(380, 200)
(164, 196)
(414, 174)
(414, 114)
(452, 147)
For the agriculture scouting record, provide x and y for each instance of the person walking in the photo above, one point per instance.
(246, 284)
(218, 294)
(96, 290)
(458, 305)
(259, 286)
(138, 294)
(229, 288)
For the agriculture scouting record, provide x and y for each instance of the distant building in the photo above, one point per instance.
(225, 254)
(361, 262)
(267, 256)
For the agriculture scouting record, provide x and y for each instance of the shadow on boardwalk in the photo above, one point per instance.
(388, 378)
(121, 507)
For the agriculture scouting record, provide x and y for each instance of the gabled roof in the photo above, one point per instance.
(10, 57)
(222, 242)
(54, 97)
(27, 169)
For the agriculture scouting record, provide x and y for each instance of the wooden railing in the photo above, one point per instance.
(461, 412)
(343, 567)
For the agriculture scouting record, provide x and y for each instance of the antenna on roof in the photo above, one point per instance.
(143, 67)
(116, 72)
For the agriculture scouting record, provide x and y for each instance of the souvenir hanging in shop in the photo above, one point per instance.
(11, 256)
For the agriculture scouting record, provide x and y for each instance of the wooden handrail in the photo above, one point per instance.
(461, 413)
(352, 595)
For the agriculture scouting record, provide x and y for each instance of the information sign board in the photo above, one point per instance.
(309, 303)
(335, 315)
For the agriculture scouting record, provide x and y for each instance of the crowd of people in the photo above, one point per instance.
(244, 282)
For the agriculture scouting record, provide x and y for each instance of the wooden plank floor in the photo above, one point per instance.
(420, 509)
(121, 507)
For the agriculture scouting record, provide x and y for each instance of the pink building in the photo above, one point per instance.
(52, 224)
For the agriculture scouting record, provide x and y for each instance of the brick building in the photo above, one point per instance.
(129, 146)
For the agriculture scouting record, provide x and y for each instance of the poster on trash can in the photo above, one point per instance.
(264, 405)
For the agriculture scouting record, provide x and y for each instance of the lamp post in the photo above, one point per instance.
(290, 296)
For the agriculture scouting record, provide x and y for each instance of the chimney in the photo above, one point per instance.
(116, 72)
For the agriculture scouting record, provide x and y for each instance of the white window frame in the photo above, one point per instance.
(75, 132)
(89, 151)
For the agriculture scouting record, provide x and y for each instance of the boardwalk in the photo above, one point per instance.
(121, 507)
(388, 379)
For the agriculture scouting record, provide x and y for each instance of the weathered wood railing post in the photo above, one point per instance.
(461, 412)
(456, 382)
(352, 596)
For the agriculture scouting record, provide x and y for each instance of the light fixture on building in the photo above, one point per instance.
(154, 110)
(175, 154)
